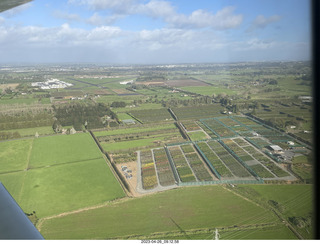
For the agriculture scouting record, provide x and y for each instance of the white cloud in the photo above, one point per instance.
(164, 10)
(120, 6)
(262, 22)
(2, 20)
(98, 20)
(66, 16)
(223, 19)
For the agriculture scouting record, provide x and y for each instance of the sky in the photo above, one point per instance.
(156, 31)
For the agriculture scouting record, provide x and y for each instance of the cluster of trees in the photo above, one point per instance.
(188, 102)
(9, 135)
(25, 120)
(118, 104)
(82, 116)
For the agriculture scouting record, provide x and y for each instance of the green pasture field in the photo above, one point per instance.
(208, 90)
(295, 200)
(13, 183)
(135, 130)
(276, 232)
(60, 149)
(44, 130)
(197, 135)
(181, 209)
(61, 188)
(82, 179)
(14, 155)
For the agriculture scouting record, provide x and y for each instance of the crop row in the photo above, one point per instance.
(196, 163)
(209, 132)
(151, 115)
(240, 142)
(245, 120)
(228, 121)
(261, 171)
(164, 170)
(230, 161)
(148, 173)
(181, 164)
(220, 129)
(259, 142)
(191, 126)
(266, 162)
(197, 112)
(243, 155)
(214, 160)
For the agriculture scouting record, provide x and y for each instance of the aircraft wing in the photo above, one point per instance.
(14, 224)
(8, 4)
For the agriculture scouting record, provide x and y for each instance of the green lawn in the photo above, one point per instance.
(60, 188)
(62, 149)
(14, 155)
(176, 210)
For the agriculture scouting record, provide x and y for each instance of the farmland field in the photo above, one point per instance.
(63, 149)
(62, 188)
(147, 116)
(198, 112)
(198, 158)
(14, 155)
(77, 175)
(185, 208)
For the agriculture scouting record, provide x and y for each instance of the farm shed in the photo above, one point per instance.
(276, 148)
(128, 121)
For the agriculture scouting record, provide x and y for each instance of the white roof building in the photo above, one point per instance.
(276, 148)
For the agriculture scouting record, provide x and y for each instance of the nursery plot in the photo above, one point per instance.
(184, 171)
(235, 167)
(164, 170)
(152, 115)
(206, 130)
(198, 112)
(214, 160)
(261, 171)
(245, 121)
(197, 135)
(148, 173)
(218, 128)
(228, 121)
(191, 126)
(241, 142)
(258, 142)
(268, 163)
(196, 163)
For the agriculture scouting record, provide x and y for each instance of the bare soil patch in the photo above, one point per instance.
(133, 181)
(11, 86)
